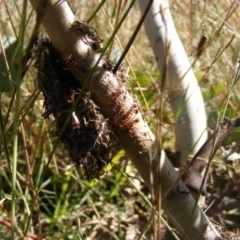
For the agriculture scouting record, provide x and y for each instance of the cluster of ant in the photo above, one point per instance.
(124, 119)
(86, 135)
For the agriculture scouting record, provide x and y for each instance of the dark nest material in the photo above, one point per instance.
(86, 135)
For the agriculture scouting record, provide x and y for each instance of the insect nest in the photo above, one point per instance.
(79, 125)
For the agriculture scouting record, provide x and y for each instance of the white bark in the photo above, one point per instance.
(140, 144)
(185, 95)
(57, 22)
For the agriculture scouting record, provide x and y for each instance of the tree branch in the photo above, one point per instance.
(114, 101)
(185, 95)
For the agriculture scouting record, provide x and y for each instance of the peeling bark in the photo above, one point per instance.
(115, 103)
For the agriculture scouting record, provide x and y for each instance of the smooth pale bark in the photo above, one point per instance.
(140, 144)
(183, 90)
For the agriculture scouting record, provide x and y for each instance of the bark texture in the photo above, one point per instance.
(178, 79)
(116, 104)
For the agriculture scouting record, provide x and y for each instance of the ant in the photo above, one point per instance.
(69, 60)
(66, 58)
(126, 122)
(127, 125)
(118, 93)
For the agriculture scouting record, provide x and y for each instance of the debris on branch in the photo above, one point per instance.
(86, 136)
(107, 90)
(88, 34)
